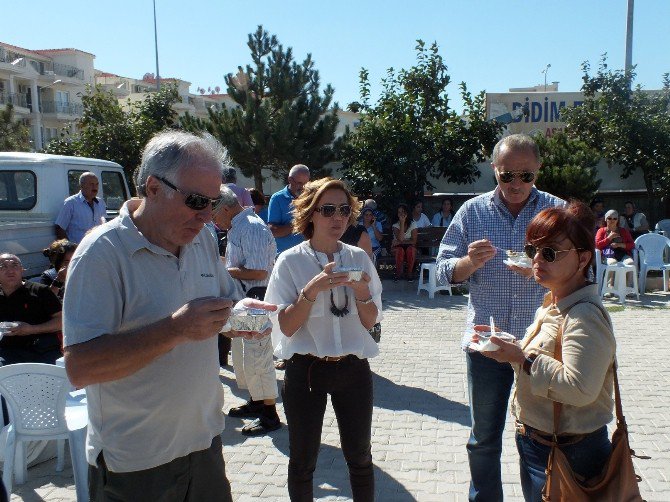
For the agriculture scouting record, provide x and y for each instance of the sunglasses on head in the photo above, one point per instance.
(328, 210)
(508, 176)
(548, 254)
(193, 201)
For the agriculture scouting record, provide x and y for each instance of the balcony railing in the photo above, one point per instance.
(15, 99)
(10, 56)
(65, 70)
(61, 107)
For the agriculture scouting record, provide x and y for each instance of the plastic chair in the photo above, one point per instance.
(36, 397)
(431, 284)
(651, 252)
(620, 273)
(663, 227)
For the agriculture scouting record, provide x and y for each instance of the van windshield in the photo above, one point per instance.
(113, 189)
(18, 190)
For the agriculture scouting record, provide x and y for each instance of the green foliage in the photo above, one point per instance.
(107, 131)
(282, 119)
(568, 167)
(411, 133)
(14, 136)
(630, 127)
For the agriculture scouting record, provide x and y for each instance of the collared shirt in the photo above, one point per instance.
(172, 406)
(250, 245)
(243, 195)
(439, 220)
(323, 334)
(583, 382)
(279, 213)
(77, 217)
(494, 289)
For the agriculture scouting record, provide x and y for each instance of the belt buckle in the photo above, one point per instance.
(521, 429)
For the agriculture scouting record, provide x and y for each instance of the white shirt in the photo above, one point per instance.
(408, 232)
(422, 222)
(117, 282)
(323, 334)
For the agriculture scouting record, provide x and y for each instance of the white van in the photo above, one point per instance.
(33, 187)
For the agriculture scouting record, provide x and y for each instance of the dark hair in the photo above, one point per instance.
(630, 202)
(57, 250)
(405, 207)
(576, 222)
(451, 201)
(257, 197)
(595, 201)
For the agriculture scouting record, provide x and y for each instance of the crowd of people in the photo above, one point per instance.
(147, 346)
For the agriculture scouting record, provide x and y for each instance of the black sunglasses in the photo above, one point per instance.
(508, 176)
(328, 210)
(548, 254)
(193, 201)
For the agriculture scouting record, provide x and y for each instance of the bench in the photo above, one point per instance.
(427, 241)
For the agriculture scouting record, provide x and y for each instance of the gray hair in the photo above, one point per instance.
(299, 169)
(228, 198)
(85, 175)
(517, 142)
(229, 175)
(169, 151)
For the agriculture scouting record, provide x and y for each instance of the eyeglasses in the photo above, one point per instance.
(10, 264)
(193, 201)
(508, 176)
(611, 218)
(328, 210)
(548, 254)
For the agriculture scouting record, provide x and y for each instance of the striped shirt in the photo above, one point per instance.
(77, 217)
(494, 289)
(250, 245)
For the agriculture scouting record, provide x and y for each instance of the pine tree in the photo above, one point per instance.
(282, 118)
(14, 136)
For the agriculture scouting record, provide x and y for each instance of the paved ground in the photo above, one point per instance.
(421, 415)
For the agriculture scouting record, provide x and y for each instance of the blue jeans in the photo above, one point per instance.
(489, 387)
(587, 458)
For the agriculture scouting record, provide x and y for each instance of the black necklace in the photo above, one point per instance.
(337, 312)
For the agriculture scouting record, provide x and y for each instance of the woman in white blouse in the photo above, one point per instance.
(321, 329)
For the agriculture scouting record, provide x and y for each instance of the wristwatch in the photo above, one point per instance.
(528, 362)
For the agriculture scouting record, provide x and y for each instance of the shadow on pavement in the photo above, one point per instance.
(393, 396)
(331, 478)
(394, 302)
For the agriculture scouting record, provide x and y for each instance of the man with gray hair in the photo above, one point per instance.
(81, 211)
(230, 180)
(473, 249)
(144, 344)
(280, 218)
(250, 257)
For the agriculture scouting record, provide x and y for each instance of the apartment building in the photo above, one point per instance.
(45, 87)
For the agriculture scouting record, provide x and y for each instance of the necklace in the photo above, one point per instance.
(337, 312)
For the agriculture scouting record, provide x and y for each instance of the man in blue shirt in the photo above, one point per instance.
(473, 249)
(280, 219)
(82, 211)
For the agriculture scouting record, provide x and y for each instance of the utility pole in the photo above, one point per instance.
(546, 69)
(629, 37)
(158, 73)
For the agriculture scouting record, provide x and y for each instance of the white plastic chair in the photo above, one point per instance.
(430, 284)
(620, 273)
(36, 396)
(651, 252)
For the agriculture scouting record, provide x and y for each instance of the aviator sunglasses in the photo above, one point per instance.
(548, 254)
(508, 176)
(328, 210)
(193, 201)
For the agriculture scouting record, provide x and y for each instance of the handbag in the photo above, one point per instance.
(616, 483)
(376, 332)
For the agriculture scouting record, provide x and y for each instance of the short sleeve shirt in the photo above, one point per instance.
(279, 213)
(117, 282)
(77, 217)
(32, 303)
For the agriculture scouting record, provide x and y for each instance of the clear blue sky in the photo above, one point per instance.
(489, 44)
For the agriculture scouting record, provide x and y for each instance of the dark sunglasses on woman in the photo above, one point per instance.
(508, 176)
(548, 254)
(193, 201)
(328, 210)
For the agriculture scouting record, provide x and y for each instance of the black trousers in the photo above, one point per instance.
(307, 382)
(197, 477)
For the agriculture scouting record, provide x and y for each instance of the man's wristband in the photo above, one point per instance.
(304, 297)
(57, 284)
(528, 362)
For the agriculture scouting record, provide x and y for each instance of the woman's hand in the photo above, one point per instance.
(360, 288)
(508, 352)
(325, 281)
(62, 274)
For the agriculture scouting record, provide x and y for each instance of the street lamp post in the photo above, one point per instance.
(158, 73)
(546, 69)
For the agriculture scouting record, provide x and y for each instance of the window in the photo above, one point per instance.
(62, 101)
(114, 190)
(18, 190)
(73, 180)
